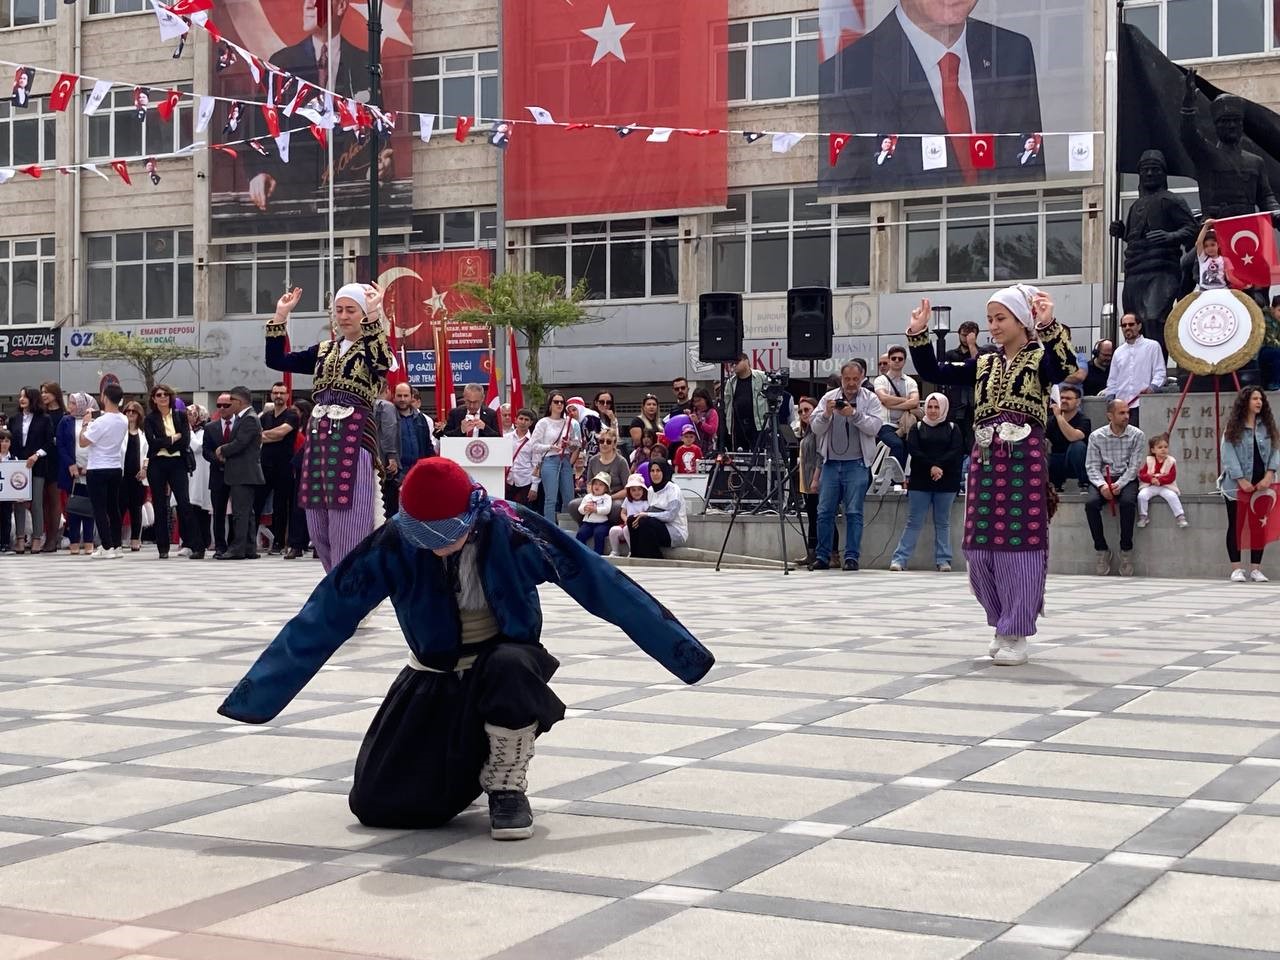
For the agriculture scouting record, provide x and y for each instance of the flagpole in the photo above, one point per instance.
(500, 225)
(328, 149)
(1110, 176)
(375, 99)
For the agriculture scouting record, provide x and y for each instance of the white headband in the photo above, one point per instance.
(1017, 300)
(355, 292)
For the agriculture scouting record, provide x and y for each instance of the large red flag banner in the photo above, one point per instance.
(322, 43)
(1249, 245)
(1257, 518)
(614, 63)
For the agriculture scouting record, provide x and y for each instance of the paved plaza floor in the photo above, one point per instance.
(853, 780)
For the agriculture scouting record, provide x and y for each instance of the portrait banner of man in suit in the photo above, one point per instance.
(931, 72)
(311, 46)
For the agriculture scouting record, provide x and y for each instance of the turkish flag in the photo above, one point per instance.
(982, 151)
(222, 147)
(1257, 519)
(273, 120)
(34, 171)
(1249, 245)
(445, 398)
(166, 106)
(835, 146)
(321, 137)
(517, 390)
(185, 8)
(611, 63)
(61, 93)
(463, 128)
(122, 168)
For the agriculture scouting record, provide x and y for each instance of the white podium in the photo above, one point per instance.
(15, 481)
(485, 458)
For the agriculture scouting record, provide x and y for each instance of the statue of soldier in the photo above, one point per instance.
(1157, 229)
(1232, 181)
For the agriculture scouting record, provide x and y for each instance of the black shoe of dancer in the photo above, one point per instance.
(510, 817)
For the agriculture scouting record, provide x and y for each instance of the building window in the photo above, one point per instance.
(770, 240)
(999, 239)
(454, 229)
(619, 259)
(772, 59)
(114, 131)
(457, 84)
(26, 281)
(1200, 29)
(27, 13)
(258, 273)
(104, 7)
(26, 135)
(139, 276)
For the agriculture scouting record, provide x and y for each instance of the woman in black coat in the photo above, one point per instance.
(936, 445)
(168, 441)
(34, 442)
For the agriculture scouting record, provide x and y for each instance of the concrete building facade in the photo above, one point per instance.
(82, 251)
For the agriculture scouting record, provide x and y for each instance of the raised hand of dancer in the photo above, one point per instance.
(285, 305)
(1042, 308)
(372, 301)
(919, 318)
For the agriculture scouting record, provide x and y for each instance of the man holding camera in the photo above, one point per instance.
(846, 423)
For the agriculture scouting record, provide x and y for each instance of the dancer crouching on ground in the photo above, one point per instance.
(338, 488)
(1009, 504)
(462, 572)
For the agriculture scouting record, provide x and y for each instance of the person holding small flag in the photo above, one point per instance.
(1250, 450)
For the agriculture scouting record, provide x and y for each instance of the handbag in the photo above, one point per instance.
(148, 515)
(79, 504)
(189, 460)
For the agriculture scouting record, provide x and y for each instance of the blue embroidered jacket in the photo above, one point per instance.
(518, 550)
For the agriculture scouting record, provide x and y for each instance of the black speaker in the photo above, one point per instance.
(809, 324)
(719, 327)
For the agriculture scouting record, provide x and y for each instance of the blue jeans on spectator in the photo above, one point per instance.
(556, 475)
(919, 504)
(1269, 365)
(843, 482)
(1069, 465)
(888, 435)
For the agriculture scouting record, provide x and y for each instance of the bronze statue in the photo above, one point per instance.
(1158, 227)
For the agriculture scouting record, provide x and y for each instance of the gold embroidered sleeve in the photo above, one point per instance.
(374, 336)
(1059, 360)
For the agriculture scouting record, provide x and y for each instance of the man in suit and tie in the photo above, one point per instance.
(473, 418)
(216, 434)
(339, 67)
(242, 471)
(930, 68)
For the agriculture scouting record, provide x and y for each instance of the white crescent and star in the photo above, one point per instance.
(1253, 504)
(1246, 258)
(63, 89)
(435, 303)
(608, 37)
(386, 279)
(980, 147)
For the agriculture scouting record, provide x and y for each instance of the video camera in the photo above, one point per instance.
(776, 383)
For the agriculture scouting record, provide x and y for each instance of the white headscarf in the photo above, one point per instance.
(944, 406)
(355, 292)
(1017, 300)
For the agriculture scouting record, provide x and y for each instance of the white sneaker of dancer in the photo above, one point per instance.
(1012, 654)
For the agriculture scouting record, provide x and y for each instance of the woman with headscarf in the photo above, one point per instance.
(1009, 502)
(201, 500)
(338, 488)
(73, 468)
(664, 523)
(936, 446)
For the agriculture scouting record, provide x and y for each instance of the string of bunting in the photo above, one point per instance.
(324, 109)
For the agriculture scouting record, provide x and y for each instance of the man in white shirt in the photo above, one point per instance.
(1137, 367)
(522, 483)
(898, 394)
(105, 439)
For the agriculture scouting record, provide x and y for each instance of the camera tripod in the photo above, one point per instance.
(778, 481)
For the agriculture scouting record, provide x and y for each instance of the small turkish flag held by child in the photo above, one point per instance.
(838, 141)
(61, 93)
(166, 106)
(982, 151)
(122, 168)
(463, 128)
(1249, 245)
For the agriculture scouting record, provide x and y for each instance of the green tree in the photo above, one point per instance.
(534, 305)
(151, 360)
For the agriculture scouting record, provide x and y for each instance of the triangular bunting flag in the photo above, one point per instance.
(234, 113)
(171, 25)
(783, 142)
(166, 106)
(579, 126)
(224, 148)
(751, 136)
(282, 145)
(835, 146)
(500, 134)
(659, 135)
(122, 168)
(96, 95)
(204, 113)
(1080, 153)
(6, 174)
(541, 116)
(463, 128)
(982, 151)
(185, 8)
(301, 97)
(426, 126)
(933, 152)
(32, 170)
(624, 132)
(257, 146)
(272, 116)
(61, 93)
(93, 168)
(699, 133)
(322, 138)
(152, 172)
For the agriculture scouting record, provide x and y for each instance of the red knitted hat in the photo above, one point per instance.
(435, 489)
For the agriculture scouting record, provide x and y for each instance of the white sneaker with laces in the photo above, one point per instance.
(1013, 653)
(1143, 521)
(996, 644)
(895, 567)
(1182, 522)
(1257, 576)
(1237, 576)
(116, 553)
(100, 554)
